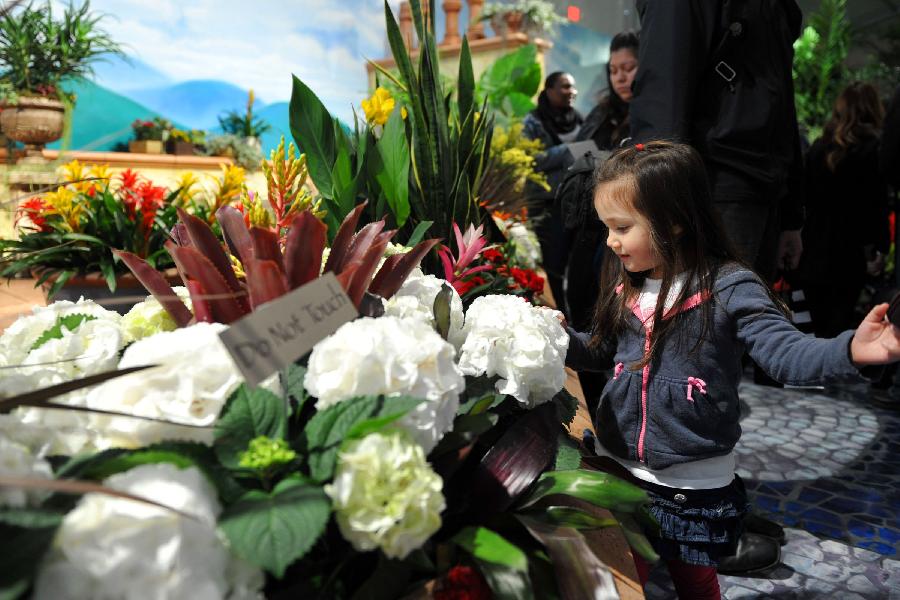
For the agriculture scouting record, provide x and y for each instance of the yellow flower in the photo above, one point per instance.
(403, 112)
(228, 188)
(379, 107)
(73, 170)
(255, 210)
(185, 187)
(102, 176)
(65, 203)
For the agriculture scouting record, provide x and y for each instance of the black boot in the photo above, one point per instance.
(754, 523)
(755, 553)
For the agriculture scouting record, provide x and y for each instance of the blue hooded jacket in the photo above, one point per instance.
(684, 406)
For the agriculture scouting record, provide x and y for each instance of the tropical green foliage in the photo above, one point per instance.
(511, 82)
(38, 51)
(819, 69)
(244, 124)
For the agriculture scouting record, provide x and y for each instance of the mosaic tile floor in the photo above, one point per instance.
(826, 464)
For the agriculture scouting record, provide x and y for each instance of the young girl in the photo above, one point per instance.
(669, 416)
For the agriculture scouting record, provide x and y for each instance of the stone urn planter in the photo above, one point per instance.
(146, 146)
(35, 122)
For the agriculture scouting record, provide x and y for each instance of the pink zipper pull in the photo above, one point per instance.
(618, 370)
(695, 382)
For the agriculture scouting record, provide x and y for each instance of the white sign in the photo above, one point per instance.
(283, 330)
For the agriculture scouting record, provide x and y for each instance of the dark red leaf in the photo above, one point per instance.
(157, 285)
(265, 247)
(235, 232)
(341, 244)
(207, 244)
(221, 298)
(303, 249)
(345, 277)
(265, 281)
(180, 235)
(370, 261)
(202, 310)
(516, 460)
(393, 273)
(361, 243)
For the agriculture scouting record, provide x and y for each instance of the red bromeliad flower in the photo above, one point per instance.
(493, 255)
(129, 179)
(463, 583)
(528, 279)
(464, 287)
(140, 195)
(469, 247)
(34, 209)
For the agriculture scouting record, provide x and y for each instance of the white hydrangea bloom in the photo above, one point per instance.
(149, 317)
(390, 356)
(110, 547)
(195, 377)
(17, 460)
(415, 300)
(385, 494)
(526, 245)
(523, 344)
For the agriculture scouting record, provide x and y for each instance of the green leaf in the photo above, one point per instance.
(292, 383)
(313, 131)
(418, 233)
(441, 310)
(568, 456)
(635, 536)
(506, 583)
(61, 279)
(566, 406)
(25, 536)
(348, 419)
(393, 171)
(579, 573)
(249, 413)
(598, 488)
(567, 516)
(109, 273)
(70, 322)
(488, 546)
(272, 530)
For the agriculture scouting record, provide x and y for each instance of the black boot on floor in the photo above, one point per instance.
(755, 523)
(755, 554)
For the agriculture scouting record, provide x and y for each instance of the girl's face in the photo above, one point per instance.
(629, 231)
(623, 65)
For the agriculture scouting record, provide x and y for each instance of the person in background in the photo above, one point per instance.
(607, 124)
(554, 122)
(846, 234)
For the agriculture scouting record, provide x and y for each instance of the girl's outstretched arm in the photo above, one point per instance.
(876, 341)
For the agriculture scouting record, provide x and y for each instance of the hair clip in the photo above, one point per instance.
(638, 147)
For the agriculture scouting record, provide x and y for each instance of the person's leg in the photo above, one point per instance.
(642, 567)
(693, 582)
(747, 225)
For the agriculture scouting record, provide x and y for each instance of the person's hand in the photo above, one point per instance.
(562, 320)
(790, 247)
(876, 341)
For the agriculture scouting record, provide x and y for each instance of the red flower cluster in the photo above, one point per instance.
(528, 279)
(34, 209)
(141, 196)
(463, 287)
(463, 583)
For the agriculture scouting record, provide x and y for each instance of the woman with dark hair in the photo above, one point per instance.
(846, 231)
(607, 124)
(554, 122)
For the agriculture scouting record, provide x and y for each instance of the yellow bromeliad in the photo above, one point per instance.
(101, 175)
(286, 175)
(228, 188)
(186, 187)
(66, 203)
(379, 106)
(254, 210)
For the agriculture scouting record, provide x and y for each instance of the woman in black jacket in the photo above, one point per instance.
(607, 124)
(846, 202)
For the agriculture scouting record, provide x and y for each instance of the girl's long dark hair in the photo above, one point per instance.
(857, 116)
(667, 184)
(615, 115)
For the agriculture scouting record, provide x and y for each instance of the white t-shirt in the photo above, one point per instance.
(705, 474)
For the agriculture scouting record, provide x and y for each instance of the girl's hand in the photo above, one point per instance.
(876, 341)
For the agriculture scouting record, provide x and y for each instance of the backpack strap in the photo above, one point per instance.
(732, 30)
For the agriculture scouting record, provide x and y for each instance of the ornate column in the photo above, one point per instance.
(451, 19)
(406, 25)
(475, 30)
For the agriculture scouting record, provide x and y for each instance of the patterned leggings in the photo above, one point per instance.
(692, 582)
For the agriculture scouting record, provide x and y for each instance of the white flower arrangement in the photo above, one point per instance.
(194, 378)
(390, 356)
(385, 494)
(17, 460)
(110, 547)
(524, 345)
(415, 300)
(149, 317)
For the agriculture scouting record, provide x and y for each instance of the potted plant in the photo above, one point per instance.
(38, 53)
(245, 125)
(180, 143)
(235, 147)
(65, 236)
(533, 17)
(149, 135)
